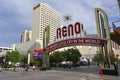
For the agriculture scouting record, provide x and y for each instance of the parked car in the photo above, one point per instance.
(83, 61)
(67, 64)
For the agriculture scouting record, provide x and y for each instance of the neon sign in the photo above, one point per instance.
(75, 41)
(70, 30)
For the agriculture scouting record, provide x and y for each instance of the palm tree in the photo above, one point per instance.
(67, 18)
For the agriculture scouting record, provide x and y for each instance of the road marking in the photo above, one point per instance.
(58, 75)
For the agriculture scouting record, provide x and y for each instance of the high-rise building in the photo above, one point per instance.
(43, 16)
(26, 36)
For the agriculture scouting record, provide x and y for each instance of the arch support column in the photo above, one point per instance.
(103, 31)
(46, 39)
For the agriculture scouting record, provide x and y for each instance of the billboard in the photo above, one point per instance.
(38, 55)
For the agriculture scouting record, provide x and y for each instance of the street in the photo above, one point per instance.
(53, 75)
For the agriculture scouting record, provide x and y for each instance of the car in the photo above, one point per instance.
(67, 64)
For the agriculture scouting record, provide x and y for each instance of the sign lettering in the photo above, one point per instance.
(70, 30)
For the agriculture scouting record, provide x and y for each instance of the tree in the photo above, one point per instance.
(32, 61)
(24, 59)
(55, 57)
(66, 55)
(113, 59)
(99, 58)
(73, 55)
(13, 56)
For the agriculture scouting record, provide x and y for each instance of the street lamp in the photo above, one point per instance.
(89, 52)
(29, 54)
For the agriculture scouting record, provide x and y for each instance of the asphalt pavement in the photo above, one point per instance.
(54, 74)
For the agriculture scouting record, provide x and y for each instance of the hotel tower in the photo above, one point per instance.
(43, 16)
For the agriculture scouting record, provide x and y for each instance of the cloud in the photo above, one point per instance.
(14, 18)
(20, 11)
(83, 11)
(16, 15)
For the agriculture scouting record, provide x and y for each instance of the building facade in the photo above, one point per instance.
(26, 36)
(3, 50)
(43, 16)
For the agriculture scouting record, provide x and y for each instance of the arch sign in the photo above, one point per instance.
(75, 41)
(68, 36)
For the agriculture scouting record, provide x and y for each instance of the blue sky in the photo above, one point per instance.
(16, 15)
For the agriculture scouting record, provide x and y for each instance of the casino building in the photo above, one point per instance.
(43, 16)
(115, 36)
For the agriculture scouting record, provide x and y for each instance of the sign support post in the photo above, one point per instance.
(46, 39)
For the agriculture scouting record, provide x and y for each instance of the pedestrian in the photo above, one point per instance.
(33, 67)
(26, 68)
(0, 69)
(115, 66)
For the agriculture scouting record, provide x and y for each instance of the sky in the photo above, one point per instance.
(16, 15)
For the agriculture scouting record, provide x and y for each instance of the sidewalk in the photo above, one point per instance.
(91, 73)
(90, 76)
(98, 77)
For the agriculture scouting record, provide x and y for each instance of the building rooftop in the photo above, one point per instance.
(115, 36)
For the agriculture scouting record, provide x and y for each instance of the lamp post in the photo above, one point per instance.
(89, 52)
(29, 54)
(28, 57)
(4, 61)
